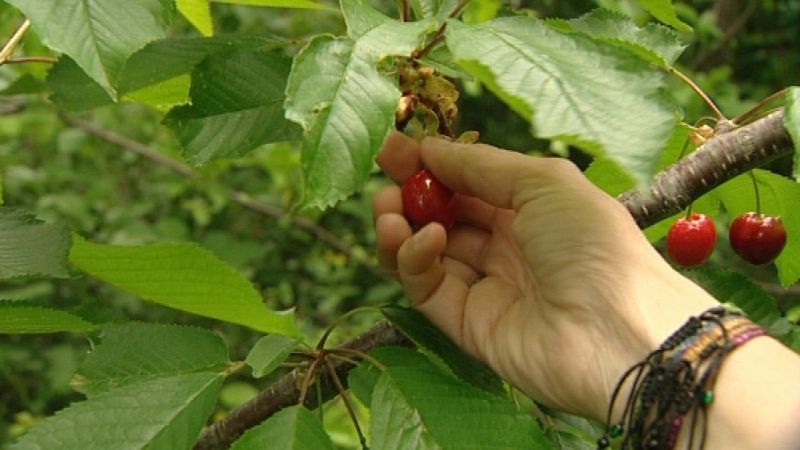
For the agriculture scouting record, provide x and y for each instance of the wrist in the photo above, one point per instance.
(756, 399)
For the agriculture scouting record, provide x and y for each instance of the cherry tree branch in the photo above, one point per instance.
(718, 160)
(286, 391)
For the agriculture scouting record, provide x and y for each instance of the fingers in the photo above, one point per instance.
(419, 262)
(431, 288)
(501, 178)
(392, 230)
(399, 157)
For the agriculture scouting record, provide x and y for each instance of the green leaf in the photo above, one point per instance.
(30, 247)
(362, 379)
(299, 4)
(664, 11)
(198, 13)
(420, 330)
(791, 120)
(574, 89)
(437, 9)
(779, 197)
(654, 43)
(237, 105)
(182, 276)
(25, 84)
(269, 353)
(606, 175)
(30, 319)
(166, 59)
(730, 287)
(98, 34)
(164, 95)
(133, 352)
(72, 89)
(166, 413)
(344, 104)
(423, 408)
(292, 428)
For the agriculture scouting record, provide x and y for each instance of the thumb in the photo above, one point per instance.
(502, 178)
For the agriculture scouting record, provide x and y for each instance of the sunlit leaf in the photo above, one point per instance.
(344, 103)
(653, 42)
(198, 13)
(571, 88)
(183, 276)
(99, 35)
(664, 11)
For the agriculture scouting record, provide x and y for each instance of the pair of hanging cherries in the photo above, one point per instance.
(757, 238)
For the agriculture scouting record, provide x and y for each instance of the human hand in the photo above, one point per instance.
(544, 277)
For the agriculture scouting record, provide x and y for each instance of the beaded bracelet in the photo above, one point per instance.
(675, 379)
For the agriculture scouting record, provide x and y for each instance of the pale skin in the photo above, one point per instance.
(549, 281)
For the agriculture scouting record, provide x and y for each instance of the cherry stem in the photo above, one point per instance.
(343, 394)
(12, 43)
(755, 189)
(310, 375)
(233, 368)
(688, 215)
(721, 117)
(338, 321)
(406, 8)
(358, 354)
(747, 116)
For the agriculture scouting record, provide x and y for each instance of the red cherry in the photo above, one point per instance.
(757, 238)
(426, 200)
(691, 242)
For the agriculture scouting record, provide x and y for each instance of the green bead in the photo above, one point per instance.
(616, 431)
(708, 398)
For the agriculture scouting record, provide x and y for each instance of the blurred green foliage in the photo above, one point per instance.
(738, 52)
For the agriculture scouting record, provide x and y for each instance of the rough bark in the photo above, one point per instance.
(718, 160)
(286, 391)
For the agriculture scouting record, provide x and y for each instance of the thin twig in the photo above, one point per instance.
(437, 38)
(458, 9)
(239, 197)
(406, 10)
(12, 43)
(31, 59)
(699, 92)
(744, 118)
(343, 394)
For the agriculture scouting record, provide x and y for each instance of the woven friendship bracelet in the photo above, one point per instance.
(676, 381)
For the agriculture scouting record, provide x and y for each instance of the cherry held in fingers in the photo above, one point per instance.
(690, 242)
(757, 238)
(426, 200)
